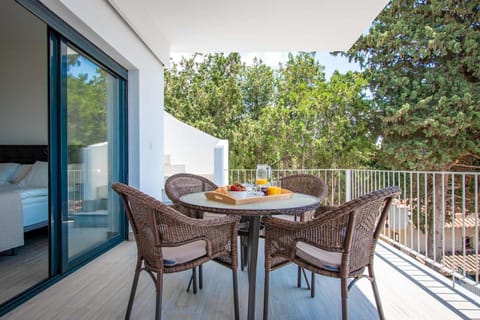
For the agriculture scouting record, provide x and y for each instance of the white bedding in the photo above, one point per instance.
(11, 220)
(21, 208)
(8, 187)
(25, 192)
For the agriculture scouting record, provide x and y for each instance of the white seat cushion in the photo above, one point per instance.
(211, 215)
(323, 259)
(184, 253)
(289, 217)
(307, 216)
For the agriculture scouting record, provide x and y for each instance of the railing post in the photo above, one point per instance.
(348, 185)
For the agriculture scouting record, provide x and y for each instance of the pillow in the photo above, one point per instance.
(21, 172)
(37, 177)
(7, 170)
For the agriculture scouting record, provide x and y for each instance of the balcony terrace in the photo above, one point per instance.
(100, 290)
(410, 288)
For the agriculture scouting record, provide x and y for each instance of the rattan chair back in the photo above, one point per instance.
(351, 230)
(305, 183)
(183, 183)
(156, 226)
(142, 217)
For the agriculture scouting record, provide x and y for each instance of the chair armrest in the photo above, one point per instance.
(326, 232)
(184, 211)
(220, 233)
(321, 210)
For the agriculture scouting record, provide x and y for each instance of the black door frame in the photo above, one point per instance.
(58, 31)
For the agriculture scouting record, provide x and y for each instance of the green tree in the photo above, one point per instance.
(203, 91)
(423, 60)
(348, 123)
(248, 141)
(87, 101)
(297, 113)
(292, 118)
(257, 85)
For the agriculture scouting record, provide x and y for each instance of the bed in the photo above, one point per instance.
(23, 192)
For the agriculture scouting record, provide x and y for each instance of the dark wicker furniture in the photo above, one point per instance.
(339, 242)
(297, 204)
(306, 184)
(168, 241)
(314, 186)
(178, 185)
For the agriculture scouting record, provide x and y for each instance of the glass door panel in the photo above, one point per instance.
(24, 203)
(92, 138)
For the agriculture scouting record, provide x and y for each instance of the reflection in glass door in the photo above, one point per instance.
(24, 187)
(91, 125)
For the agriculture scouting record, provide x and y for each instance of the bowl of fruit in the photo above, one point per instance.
(237, 191)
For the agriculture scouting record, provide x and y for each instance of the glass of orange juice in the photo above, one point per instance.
(274, 188)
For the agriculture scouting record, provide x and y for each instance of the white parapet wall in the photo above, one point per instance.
(195, 150)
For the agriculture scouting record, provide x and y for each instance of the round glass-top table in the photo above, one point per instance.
(297, 204)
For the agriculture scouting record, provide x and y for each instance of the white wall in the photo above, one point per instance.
(23, 82)
(405, 238)
(398, 222)
(95, 170)
(99, 23)
(195, 149)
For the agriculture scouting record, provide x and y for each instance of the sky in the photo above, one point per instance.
(272, 59)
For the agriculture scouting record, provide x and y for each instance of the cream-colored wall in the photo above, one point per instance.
(23, 80)
(99, 23)
(416, 240)
(193, 148)
(398, 222)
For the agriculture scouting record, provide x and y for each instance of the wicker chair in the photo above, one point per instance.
(178, 185)
(314, 186)
(168, 241)
(339, 242)
(183, 183)
(307, 184)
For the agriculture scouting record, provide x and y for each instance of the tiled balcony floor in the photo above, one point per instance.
(100, 291)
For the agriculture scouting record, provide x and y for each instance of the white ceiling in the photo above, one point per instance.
(249, 25)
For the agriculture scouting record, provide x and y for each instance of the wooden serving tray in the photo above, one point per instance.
(225, 198)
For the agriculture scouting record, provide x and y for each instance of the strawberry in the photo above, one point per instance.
(236, 187)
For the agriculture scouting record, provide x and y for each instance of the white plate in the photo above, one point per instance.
(238, 194)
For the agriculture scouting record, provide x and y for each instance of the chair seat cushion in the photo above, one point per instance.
(318, 257)
(306, 216)
(211, 215)
(289, 217)
(184, 253)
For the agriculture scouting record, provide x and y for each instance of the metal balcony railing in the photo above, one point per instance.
(435, 219)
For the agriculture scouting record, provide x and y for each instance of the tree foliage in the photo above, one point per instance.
(290, 118)
(87, 105)
(203, 91)
(423, 59)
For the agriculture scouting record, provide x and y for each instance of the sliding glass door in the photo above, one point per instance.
(91, 126)
(88, 146)
(74, 110)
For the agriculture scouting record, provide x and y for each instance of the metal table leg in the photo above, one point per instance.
(253, 234)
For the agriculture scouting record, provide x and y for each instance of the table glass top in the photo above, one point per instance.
(296, 201)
